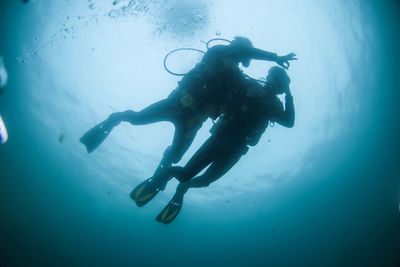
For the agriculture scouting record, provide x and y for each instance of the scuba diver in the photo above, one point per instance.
(241, 125)
(198, 96)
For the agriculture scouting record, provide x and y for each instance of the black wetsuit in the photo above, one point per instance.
(241, 125)
(199, 95)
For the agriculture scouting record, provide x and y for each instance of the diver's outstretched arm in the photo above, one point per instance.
(260, 54)
(282, 61)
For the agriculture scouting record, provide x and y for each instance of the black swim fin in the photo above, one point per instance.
(95, 136)
(169, 213)
(145, 191)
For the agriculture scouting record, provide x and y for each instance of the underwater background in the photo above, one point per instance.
(325, 192)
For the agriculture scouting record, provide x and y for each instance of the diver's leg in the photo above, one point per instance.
(148, 189)
(183, 138)
(202, 158)
(160, 111)
(216, 170)
(181, 142)
(196, 163)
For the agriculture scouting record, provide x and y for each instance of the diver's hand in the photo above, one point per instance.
(283, 61)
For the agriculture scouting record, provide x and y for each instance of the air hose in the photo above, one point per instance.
(216, 39)
(176, 50)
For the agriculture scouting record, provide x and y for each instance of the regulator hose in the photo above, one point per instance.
(216, 39)
(176, 50)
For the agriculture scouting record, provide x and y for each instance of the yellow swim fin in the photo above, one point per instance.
(169, 213)
(145, 192)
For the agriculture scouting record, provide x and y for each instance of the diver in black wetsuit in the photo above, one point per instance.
(199, 95)
(241, 125)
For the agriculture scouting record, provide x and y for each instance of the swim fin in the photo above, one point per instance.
(169, 213)
(145, 192)
(95, 136)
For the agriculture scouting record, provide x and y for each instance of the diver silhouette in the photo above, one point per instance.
(199, 95)
(241, 125)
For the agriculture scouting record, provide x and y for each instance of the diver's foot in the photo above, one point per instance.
(163, 182)
(115, 118)
(181, 189)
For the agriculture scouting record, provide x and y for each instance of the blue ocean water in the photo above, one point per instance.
(325, 192)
